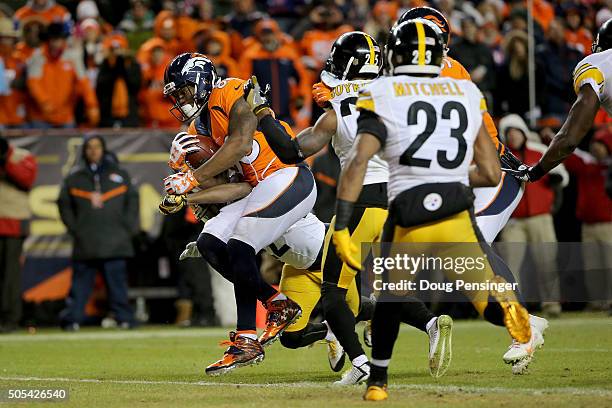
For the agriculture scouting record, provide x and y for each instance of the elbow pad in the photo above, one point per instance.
(283, 145)
(369, 122)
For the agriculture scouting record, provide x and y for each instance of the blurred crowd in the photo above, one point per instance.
(93, 64)
(101, 63)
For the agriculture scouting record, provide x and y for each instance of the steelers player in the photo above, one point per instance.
(593, 86)
(493, 207)
(428, 129)
(355, 59)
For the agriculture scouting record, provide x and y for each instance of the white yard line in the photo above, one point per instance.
(94, 334)
(417, 387)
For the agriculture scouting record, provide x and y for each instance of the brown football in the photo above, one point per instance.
(206, 150)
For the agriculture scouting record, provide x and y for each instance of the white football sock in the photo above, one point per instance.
(430, 323)
(252, 336)
(380, 363)
(360, 360)
(330, 336)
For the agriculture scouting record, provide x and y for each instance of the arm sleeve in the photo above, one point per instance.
(66, 208)
(280, 140)
(131, 207)
(87, 92)
(369, 122)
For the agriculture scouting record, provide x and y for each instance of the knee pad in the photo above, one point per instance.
(292, 340)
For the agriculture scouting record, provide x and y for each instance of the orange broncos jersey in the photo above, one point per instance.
(261, 161)
(453, 69)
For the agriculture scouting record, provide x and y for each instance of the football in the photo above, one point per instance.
(206, 149)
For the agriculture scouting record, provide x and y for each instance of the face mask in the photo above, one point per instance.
(189, 109)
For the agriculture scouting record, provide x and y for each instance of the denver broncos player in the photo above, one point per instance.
(493, 206)
(282, 194)
(301, 250)
(593, 87)
(355, 59)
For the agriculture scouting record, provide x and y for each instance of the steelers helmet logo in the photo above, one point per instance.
(432, 201)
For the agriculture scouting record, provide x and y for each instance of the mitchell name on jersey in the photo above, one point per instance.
(596, 70)
(431, 123)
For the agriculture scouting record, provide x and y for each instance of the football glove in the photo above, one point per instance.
(182, 145)
(257, 98)
(321, 95)
(180, 183)
(204, 212)
(190, 251)
(526, 173)
(346, 250)
(172, 203)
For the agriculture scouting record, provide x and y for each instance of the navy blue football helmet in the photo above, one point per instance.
(189, 80)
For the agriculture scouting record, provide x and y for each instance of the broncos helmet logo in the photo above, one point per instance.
(437, 22)
(197, 61)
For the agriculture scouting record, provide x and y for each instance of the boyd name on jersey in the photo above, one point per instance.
(431, 123)
(344, 98)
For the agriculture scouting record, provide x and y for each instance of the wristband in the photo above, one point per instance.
(536, 172)
(344, 211)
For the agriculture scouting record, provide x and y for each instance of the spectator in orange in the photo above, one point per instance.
(575, 34)
(279, 65)
(384, 15)
(56, 83)
(118, 84)
(32, 30)
(241, 22)
(49, 10)
(165, 30)
(185, 24)
(12, 96)
(154, 106)
(543, 13)
(316, 42)
(215, 45)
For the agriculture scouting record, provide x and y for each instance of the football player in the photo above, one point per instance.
(593, 88)
(300, 249)
(425, 171)
(282, 194)
(355, 59)
(493, 206)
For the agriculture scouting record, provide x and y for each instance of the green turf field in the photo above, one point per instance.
(163, 366)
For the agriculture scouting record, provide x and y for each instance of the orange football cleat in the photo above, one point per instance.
(281, 313)
(242, 351)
